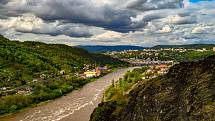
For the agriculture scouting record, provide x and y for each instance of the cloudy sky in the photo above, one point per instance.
(109, 22)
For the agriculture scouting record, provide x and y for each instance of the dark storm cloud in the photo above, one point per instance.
(55, 31)
(146, 5)
(71, 11)
(107, 17)
(88, 13)
(3, 2)
(142, 21)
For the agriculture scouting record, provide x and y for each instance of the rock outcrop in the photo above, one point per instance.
(186, 93)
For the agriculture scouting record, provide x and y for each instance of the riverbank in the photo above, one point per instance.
(77, 105)
(185, 93)
(63, 93)
(116, 96)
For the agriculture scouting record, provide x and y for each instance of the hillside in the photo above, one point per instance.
(33, 72)
(27, 60)
(186, 93)
(189, 46)
(101, 48)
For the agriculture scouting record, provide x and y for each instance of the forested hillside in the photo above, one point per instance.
(23, 61)
(32, 72)
(186, 93)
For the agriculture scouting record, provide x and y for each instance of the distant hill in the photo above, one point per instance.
(194, 46)
(101, 48)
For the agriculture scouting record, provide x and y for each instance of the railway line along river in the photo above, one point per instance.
(75, 106)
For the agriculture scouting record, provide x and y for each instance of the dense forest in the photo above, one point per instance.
(46, 71)
(185, 93)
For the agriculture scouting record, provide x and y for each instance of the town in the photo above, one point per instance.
(161, 55)
(158, 60)
(89, 73)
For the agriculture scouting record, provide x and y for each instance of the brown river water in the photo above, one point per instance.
(75, 106)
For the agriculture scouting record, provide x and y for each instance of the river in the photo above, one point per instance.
(75, 106)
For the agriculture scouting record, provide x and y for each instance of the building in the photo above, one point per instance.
(90, 74)
(214, 49)
(62, 72)
(163, 66)
(93, 73)
(35, 80)
(24, 91)
(163, 69)
(102, 68)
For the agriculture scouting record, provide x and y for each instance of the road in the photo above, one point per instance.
(75, 106)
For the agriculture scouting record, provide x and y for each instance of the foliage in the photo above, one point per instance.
(115, 97)
(104, 111)
(37, 66)
(185, 56)
(186, 93)
(41, 92)
(166, 55)
(124, 84)
(27, 60)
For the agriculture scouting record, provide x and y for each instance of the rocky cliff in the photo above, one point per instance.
(186, 93)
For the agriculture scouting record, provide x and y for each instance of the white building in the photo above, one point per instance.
(94, 73)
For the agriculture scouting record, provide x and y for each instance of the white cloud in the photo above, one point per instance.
(176, 19)
(26, 23)
(138, 18)
(109, 35)
(102, 2)
(202, 29)
(29, 23)
(137, 22)
(166, 29)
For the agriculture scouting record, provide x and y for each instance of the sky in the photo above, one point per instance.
(109, 22)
